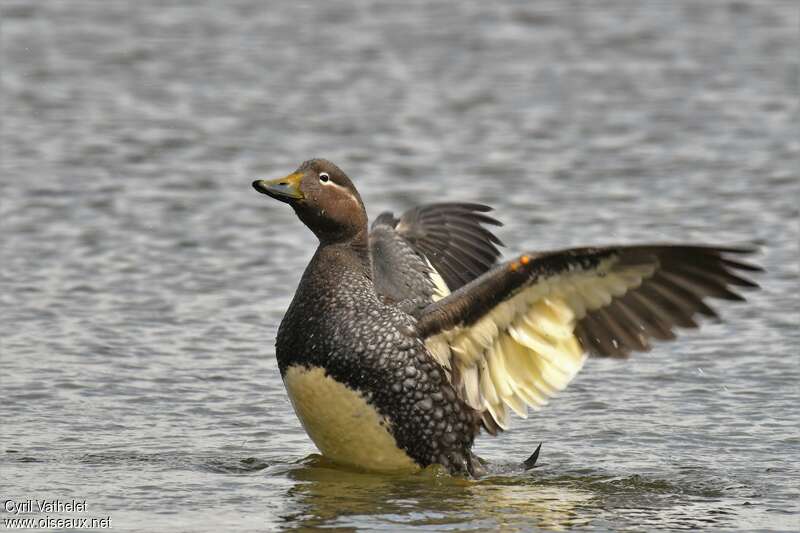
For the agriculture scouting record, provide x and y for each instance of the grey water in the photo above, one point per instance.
(142, 279)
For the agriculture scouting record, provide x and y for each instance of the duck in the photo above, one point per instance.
(407, 339)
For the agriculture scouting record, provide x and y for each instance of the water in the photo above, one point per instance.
(143, 279)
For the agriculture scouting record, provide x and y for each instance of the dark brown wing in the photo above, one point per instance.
(429, 251)
(518, 333)
(672, 297)
(453, 238)
(401, 274)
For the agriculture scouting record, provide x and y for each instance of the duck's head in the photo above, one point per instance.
(323, 197)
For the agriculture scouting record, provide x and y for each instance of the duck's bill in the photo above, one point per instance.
(284, 189)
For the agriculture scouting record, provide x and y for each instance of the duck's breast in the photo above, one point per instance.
(342, 423)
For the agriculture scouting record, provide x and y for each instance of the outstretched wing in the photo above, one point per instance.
(519, 333)
(453, 238)
(429, 251)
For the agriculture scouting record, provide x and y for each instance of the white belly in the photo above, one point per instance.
(341, 423)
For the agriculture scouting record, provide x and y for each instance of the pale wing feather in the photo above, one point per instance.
(440, 289)
(525, 350)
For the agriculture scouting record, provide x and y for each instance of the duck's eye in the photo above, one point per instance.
(324, 177)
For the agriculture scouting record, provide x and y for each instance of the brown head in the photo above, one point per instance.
(324, 198)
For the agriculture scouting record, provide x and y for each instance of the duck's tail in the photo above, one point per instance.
(530, 462)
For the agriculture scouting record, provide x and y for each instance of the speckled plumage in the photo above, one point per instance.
(340, 324)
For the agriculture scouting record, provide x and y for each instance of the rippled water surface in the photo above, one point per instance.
(143, 279)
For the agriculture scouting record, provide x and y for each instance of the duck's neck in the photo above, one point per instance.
(353, 252)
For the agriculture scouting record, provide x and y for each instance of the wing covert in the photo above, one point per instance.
(453, 238)
(429, 251)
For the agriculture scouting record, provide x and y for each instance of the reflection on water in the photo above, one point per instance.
(330, 496)
(316, 493)
(325, 495)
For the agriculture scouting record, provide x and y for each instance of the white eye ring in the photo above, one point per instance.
(324, 177)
